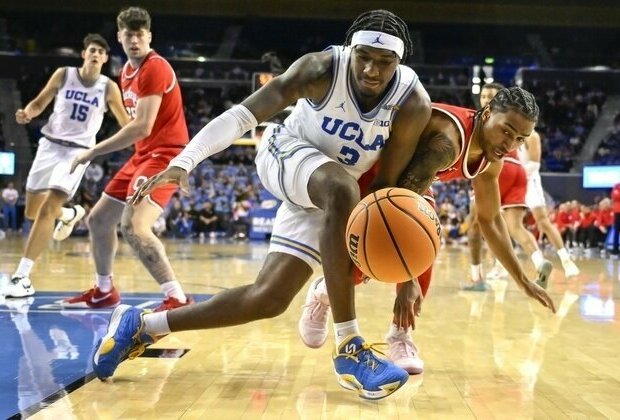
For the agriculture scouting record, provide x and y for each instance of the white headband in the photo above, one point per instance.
(379, 40)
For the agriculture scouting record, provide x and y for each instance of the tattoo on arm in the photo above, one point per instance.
(434, 153)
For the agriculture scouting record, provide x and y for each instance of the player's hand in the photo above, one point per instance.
(172, 175)
(408, 304)
(21, 116)
(536, 292)
(82, 158)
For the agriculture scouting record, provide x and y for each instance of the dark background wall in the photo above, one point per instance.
(600, 13)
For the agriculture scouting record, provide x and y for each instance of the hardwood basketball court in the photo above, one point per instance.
(493, 354)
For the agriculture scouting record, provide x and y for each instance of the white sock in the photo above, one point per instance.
(104, 282)
(345, 329)
(24, 267)
(563, 254)
(537, 258)
(174, 289)
(68, 213)
(156, 324)
(21, 323)
(476, 272)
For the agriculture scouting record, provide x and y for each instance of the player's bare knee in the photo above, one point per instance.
(342, 195)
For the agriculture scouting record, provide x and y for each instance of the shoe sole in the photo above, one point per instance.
(69, 226)
(115, 320)
(27, 294)
(349, 382)
(85, 305)
(312, 346)
(475, 288)
(543, 274)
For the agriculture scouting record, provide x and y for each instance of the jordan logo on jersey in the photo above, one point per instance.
(351, 131)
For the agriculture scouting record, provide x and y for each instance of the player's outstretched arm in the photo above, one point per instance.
(308, 77)
(137, 129)
(494, 230)
(43, 99)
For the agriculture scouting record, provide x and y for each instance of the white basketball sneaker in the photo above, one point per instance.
(19, 287)
(497, 272)
(64, 229)
(403, 352)
(570, 268)
(313, 321)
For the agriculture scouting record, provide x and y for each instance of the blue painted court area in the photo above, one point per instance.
(46, 350)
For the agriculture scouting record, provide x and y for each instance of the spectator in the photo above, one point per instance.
(182, 225)
(9, 208)
(602, 224)
(241, 217)
(207, 220)
(615, 198)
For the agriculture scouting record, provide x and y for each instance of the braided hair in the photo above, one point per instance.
(382, 21)
(517, 99)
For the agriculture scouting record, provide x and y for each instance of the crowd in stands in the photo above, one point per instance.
(608, 152)
(225, 187)
(567, 113)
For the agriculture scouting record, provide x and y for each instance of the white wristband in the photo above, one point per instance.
(531, 168)
(215, 137)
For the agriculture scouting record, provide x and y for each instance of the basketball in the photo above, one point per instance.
(393, 235)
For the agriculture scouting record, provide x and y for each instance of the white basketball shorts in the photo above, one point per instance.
(535, 196)
(284, 164)
(51, 166)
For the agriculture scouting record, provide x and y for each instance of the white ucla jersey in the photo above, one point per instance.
(78, 110)
(337, 126)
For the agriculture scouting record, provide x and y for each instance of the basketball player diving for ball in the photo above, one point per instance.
(354, 102)
(457, 143)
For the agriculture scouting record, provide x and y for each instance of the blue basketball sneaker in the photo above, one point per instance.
(125, 339)
(358, 369)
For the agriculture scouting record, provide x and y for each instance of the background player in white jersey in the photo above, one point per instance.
(530, 154)
(354, 102)
(81, 97)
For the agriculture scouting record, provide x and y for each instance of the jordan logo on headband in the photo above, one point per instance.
(375, 38)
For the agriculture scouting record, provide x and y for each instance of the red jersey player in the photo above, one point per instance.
(152, 97)
(457, 143)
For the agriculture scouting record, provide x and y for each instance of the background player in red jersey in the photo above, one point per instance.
(615, 199)
(152, 97)
(518, 191)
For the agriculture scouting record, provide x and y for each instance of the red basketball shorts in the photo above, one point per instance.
(512, 185)
(136, 171)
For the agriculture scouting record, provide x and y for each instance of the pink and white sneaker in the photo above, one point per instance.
(404, 353)
(313, 322)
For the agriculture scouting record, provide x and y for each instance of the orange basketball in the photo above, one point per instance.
(393, 235)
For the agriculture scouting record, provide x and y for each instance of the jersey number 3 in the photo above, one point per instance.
(349, 156)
